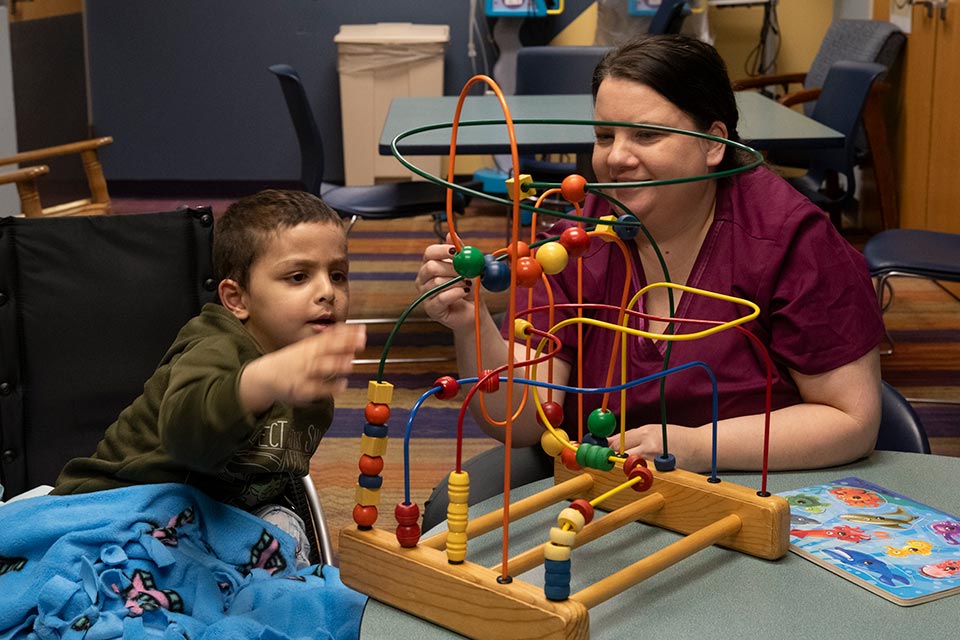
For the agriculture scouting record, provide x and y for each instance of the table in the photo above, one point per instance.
(721, 594)
(764, 124)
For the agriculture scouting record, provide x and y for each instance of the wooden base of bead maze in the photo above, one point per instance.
(468, 599)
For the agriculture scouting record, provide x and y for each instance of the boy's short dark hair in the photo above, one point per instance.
(241, 233)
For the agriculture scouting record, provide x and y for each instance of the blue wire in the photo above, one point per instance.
(566, 388)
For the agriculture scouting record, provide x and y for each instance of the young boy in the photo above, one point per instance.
(240, 401)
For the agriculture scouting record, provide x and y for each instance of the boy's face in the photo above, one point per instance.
(298, 287)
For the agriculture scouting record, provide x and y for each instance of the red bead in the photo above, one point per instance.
(575, 240)
(377, 413)
(490, 381)
(449, 387)
(364, 515)
(573, 188)
(569, 458)
(647, 480)
(631, 462)
(554, 413)
(370, 465)
(584, 507)
(407, 513)
(528, 272)
(408, 535)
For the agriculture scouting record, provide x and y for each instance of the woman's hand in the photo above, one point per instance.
(684, 442)
(452, 306)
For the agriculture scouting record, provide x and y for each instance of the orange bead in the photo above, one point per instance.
(569, 458)
(520, 250)
(376, 413)
(364, 516)
(574, 188)
(528, 271)
(370, 465)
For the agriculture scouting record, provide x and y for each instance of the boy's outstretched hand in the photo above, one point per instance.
(303, 372)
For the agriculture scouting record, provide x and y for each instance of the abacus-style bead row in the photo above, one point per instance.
(556, 552)
(373, 444)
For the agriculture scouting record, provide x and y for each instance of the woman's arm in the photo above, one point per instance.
(836, 423)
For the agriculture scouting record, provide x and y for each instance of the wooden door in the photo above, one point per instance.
(927, 132)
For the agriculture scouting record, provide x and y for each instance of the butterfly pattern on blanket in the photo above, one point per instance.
(160, 561)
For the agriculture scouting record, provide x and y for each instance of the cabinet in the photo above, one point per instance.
(928, 132)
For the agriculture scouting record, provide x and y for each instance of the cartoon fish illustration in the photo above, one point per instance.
(797, 520)
(841, 532)
(948, 530)
(897, 519)
(945, 569)
(913, 547)
(857, 497)
(880, 570)
(810, 504)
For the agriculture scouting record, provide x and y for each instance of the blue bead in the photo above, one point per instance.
(555, 593)
(495, 276)
(589, 438)
(369, 482)
(627, 231)
(375, 430)
(665, 462)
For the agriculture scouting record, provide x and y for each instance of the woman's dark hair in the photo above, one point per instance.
(687, 72)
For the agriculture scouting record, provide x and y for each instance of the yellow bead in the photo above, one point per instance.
(521, 328)
(373, 447)
(525, 190)
(553, 258)
(605, 231)
(379, 392)
(555, 552)
(458, 487)
(561, 537)
(367, 497)
(552, 442)
(456, 546)
(572, 518)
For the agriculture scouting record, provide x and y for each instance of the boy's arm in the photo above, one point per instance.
(303, 372)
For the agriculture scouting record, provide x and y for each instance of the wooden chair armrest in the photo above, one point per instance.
(782, 79)
(26, 174)
(60, 150)
(799, 97)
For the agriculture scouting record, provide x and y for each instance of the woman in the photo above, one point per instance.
(750, 236)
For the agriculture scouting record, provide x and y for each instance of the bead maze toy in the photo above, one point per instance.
(432, 578)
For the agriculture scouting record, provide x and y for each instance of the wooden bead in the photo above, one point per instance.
(556, 552)
(370, 465)
(575, 240)
(562, 537)
(602, 423)
(489, 382)
(365, 515)
(524, 183)
(554, 413)
(407, 513)
(369, 482)
(449, 387)
(528, 271)
(584, 507)
(408, 535)
(373, 447)
(376, 430)
(367, 497)
(552, 442)
(572, 519)
(495, 276)
(376, 413)
(553, 258)
(522, 328)
(631, 462)
(628, 228)
(569, 459)
(379, 392)
(646, 478)
(574, 188)
(469, 262)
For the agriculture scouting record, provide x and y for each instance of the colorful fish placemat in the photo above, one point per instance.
(896, 547)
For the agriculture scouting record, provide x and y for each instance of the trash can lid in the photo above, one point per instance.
(392, 32)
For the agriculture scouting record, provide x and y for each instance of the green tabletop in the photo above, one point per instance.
(718, 593)
(764, 124)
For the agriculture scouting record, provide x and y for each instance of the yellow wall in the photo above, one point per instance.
(736, 32)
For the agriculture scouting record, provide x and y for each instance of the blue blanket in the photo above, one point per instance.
(160, 561)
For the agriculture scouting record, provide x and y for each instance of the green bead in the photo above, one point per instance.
(470, 262)
(602, 423)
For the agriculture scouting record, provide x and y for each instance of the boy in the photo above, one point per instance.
(240, 401)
